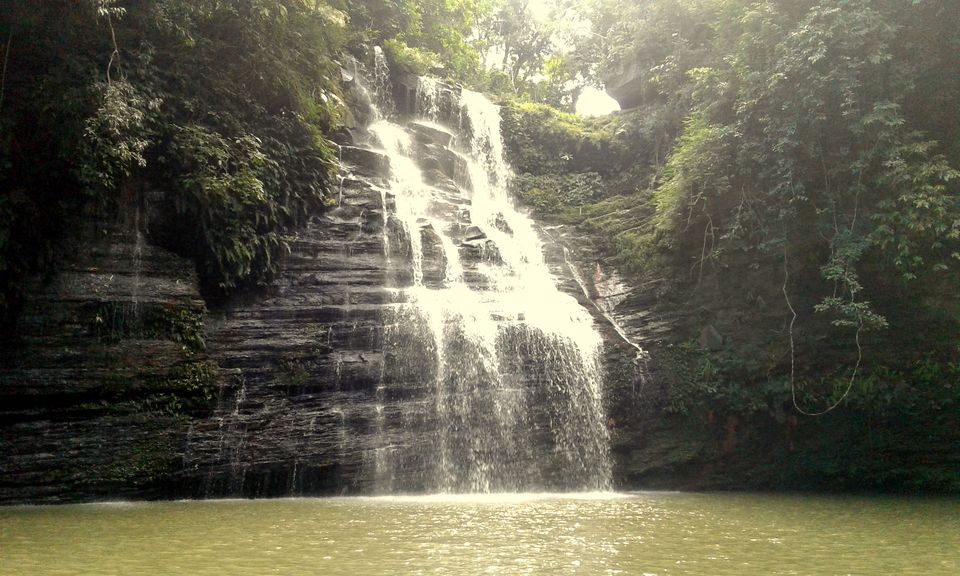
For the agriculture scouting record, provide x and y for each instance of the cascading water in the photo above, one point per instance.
(510, 397)
(416, 340)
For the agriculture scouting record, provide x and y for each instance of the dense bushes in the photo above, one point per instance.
(800, 158)
(801, 153)
(802, 117)
(426, 36)
(222, 106)
(542, 140)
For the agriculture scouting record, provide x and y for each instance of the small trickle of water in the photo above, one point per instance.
(382, 86)
(341, 175)
(294, 476)
(428, 98)
(241, 397)
(342, 430)
(137, 265)
(339, 369)
(385, 235)
(611, 292)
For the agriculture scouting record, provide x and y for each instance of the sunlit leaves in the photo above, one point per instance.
(115, 137)
(850, 313)
(919, 226)
(425, 35)
(696, 175)
(106, 8)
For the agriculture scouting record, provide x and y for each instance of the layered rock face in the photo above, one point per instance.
(104, 371)
(636, 391)
(305, 359)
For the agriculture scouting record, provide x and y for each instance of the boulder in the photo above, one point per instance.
(502, 225)
(627, 84)
(444, 159)
(371, 161)
(431, 133)
(473, 233)
(438, 179)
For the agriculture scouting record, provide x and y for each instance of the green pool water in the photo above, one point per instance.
(632, 534)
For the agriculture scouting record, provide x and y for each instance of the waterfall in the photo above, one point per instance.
(416, 340)
(510, 391)
(428, 98)
(407, 186)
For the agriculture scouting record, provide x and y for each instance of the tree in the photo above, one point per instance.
(660, 39)
(434, 31)
(799, 150)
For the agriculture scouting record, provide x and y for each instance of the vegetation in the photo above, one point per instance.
(222, 106)
(226, 108)
(426, 36)
(800, 204)
(801, 154)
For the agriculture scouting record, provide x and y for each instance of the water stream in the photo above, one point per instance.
(514, 399)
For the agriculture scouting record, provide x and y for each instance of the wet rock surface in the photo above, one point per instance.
(371, 161)
(431, 133)
(105, 367)
(316, 360)
(636, 391)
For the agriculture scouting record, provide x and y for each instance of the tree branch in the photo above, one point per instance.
(116, 48)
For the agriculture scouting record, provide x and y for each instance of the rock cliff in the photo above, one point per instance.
(118, 383)
(103, 373)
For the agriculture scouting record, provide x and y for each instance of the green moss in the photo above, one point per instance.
(543, 140)
(595, 174)
(184, 390)
(664, 450)
(197, 379)
(552, 193)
